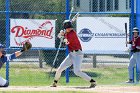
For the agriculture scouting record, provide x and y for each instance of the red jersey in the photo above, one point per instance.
(135, 42)
(74, 43)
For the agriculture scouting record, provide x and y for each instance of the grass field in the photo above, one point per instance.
(31, 75)
(22, 75)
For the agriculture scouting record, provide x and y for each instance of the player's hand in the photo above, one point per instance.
(129, 42)
(61, 34)
(66, 41)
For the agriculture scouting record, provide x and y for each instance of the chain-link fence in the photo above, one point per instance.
(56, 9)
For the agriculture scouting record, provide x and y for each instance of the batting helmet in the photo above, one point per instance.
(67, 24)
(2, 49)
(135, 29)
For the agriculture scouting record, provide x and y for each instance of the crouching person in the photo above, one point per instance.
(4, 58)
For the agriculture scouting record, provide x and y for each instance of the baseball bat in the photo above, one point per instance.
(71, 12)
(75, 17)
(126, 33)
(72, 8)
(61, 40)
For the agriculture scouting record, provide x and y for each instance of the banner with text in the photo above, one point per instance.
(40, 32)
(102, 33)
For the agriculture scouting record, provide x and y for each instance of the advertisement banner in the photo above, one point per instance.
(41, 33)
(102, 33)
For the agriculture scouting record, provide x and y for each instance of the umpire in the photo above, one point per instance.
(135, 58)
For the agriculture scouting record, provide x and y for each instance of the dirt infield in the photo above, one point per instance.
(98, 89)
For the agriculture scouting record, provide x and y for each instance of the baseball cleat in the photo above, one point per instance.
(92, 85)
(54, 85)
(130, 81)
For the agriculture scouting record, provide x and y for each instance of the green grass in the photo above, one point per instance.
(23, 75)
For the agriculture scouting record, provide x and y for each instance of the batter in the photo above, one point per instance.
(135, 58)
(74, 57)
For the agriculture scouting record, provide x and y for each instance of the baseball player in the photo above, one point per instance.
(4, 58)
(74, 57)
(135, 58)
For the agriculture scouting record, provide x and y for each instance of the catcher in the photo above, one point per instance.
(74, 57)
(4, 58)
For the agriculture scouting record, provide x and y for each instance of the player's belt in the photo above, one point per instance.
(138, 50)
(76, 50)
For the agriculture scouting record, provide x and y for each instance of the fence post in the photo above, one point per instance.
(138, 25)
(94, 61)
(7, 25)
(67, 51)
(132, 24)
(40, 59)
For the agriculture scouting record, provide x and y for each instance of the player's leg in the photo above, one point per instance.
(65, 64)
(77, 61)
(130, 68)
(3, 82)
(138, 66)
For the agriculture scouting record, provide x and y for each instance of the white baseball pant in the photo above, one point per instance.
(74, 58)
(2, 81)
(135, 59)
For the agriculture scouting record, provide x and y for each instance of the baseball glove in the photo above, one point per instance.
(26, 46)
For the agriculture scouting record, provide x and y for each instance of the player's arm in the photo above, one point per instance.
(15, 55)
(25, 47)
(138, 44)
(18, 53)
